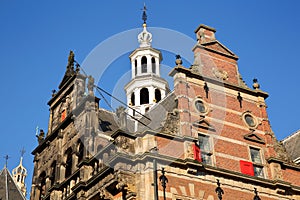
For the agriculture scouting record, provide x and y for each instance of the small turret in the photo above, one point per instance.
(146, 87)
(19, 175)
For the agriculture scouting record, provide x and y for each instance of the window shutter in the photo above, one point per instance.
(63, 115)
(247, 167)
(197, 153)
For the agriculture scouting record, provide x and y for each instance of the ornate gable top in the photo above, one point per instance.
(69, 71)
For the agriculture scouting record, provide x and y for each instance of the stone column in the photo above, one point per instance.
(75, 161)
(149, 64)
(139, 65)
(163, 93)
(157, 66)
(50, 121)
(137, 96)
(151, 94)
(132, 69)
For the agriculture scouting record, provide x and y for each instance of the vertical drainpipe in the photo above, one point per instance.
(155, 179)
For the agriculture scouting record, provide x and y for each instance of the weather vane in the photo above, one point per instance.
(144, 14)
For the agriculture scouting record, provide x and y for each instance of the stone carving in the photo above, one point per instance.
(189, 150)
(280, 150)
(171, 123)
(70, 66)
(41, 136)
(122, 142)
(220, 74)
(90, 85)
(121, 114)
(276, 171)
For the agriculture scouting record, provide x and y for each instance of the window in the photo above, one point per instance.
(53, 172)
(144, 96)
(157, 95)
(80, 152)
(42, 180)
(257, 163)
(144, 64)
(153, 65)
(63, 115)
(69, 162)
(250, 120)
(205, 149)
(132, 99)
(135, 67)
(200, 106)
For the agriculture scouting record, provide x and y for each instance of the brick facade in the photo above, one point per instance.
(95, 154)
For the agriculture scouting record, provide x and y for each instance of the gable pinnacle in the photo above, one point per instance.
(6, 160)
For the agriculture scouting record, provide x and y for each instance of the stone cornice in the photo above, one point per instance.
(284, 163)
(189, 73)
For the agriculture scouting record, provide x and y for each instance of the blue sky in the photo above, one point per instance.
(36, 37)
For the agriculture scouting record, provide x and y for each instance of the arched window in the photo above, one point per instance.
(69, 162)
(157, 95)
(42, 180)
(153, 65)
(80, 152)
(132, 99)
(144, 96)
(135, 67)
(144, 64)
(53, 172)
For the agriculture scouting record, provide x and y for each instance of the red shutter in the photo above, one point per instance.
(63, 115)
(247, 167)
(197, 153)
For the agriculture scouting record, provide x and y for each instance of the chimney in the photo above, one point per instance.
(205, 34)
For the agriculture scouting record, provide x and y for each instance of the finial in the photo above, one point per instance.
(144, 17)
(178, 60)
(255, 85)
(53, 92)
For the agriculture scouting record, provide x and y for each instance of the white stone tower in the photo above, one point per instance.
(146, 87)
(19, 175)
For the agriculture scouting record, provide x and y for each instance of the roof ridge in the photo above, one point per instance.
(290, 136)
